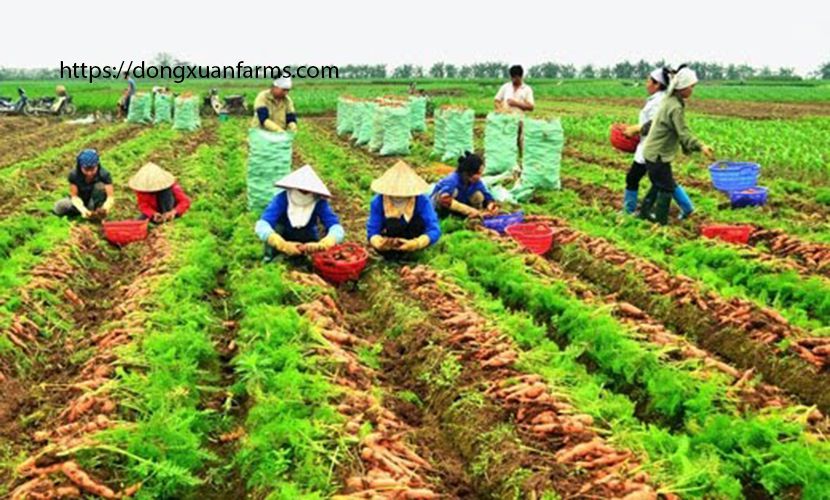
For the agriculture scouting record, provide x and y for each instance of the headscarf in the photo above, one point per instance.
(87, 158)
(683, 79)
(283, 83)
(300, 207)
(658, 76)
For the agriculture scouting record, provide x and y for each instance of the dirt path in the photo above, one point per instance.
(22, 146)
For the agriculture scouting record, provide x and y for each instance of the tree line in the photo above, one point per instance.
(439, 70)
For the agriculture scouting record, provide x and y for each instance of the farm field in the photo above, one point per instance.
(630, 361)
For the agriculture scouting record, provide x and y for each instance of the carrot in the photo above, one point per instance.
(130, 491)
(420, 494)
(630, 310)
(822, 350)
(78, 476)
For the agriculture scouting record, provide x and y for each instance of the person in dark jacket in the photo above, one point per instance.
(401, 217)
(90, 188)
(289, 224)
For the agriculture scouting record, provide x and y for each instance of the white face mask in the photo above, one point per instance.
(399, 201)
(300, 207)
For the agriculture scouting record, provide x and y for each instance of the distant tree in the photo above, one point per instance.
(642, 69)
(568, 71)
(587, 72)
(465, 72)
(437, 70)
(786, 73)
(765, 72)
(164, 59)
(451, 71)
(623, 70)
(405, 71)
(606, 73)
(824, 71)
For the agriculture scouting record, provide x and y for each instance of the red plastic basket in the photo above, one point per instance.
(124, 232)
(341, 263)
(621, 142)
(534, 236)
(731, 234)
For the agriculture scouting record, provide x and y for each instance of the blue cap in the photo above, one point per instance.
(88, 158)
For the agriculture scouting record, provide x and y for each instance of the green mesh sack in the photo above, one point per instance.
(345, 115)
(358, 118)
(543, 143)
(186, 116)
(397, 122)
(418, 113)
(269, 160)
(439, 139)
(141, 108)
(163, 106)
(501, 150)
(458, 134)
(367, 124)
(377, 117)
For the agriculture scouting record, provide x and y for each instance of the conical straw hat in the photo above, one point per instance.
(306, 179)
(151, 178)
(400, 180)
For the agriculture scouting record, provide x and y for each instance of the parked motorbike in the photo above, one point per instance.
(56, 106)
(19, 107)
(230, 105)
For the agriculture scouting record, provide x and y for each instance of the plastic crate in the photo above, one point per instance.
(734, 176)
(122, 233)
(622, 142)
(728, 233)
(500, 222)
(334, 267)
(752, 197)
(534, 236)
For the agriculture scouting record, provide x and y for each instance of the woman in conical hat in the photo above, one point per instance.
(160, 198)
(401, 217)
(290, 223)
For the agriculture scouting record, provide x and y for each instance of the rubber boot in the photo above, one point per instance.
(661, 207)
(648, 204)
(630, 202)
(683, 201)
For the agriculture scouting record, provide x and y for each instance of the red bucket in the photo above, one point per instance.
(534, 236)
(341, 263)
(621, 142)
(731, 234)
(124, 232)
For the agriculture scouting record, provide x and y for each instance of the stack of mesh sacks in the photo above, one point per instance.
(186, 116)
(163, 108)
(141, 108)
(542, 158)
(418, 113)
(453, 132)
(269, 159)
(501, 149)
(346, 115)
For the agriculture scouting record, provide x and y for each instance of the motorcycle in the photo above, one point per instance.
(21, 106)
(230, 105)
(57, 106)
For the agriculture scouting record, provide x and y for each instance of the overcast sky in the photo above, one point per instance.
(793, 33)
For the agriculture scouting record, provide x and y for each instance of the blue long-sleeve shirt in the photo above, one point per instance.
(453, 182)
(277, 213)
(423, 208)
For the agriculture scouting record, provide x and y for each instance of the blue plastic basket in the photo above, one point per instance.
(734, 176)
(752, 197)
(500, 222)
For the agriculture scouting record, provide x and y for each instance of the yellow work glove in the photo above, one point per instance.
(378, 242)
(326, 243)
(415, 244)
(272, 126)
(108, 204)
(286, 247)
(463, 209)
(78, 203)
(292, 127)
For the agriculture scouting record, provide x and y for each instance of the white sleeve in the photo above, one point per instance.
(500, 93)
(530, 96)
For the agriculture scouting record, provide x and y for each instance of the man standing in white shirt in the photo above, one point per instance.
(515, 95)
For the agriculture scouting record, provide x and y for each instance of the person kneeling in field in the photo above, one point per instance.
(160, 198)
(273, 109)
(289, 223)
(401, 217)
(668, 131)
(90, 189)
(463, 192)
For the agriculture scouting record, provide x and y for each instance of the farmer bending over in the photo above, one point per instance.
(401, 217)
(668, 131)
(463, 191)
(289, 224)
(160, 198)
(90, 188)
(273, 109)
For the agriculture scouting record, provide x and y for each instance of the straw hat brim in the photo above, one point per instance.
(305, 179)
(400, 180)
(151, 178)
